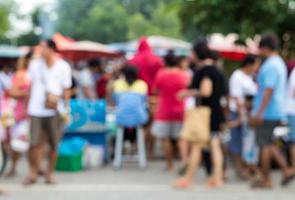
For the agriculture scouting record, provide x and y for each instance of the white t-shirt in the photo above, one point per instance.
(240, 85)
(47, 80)
(291, 94)
(86, 79)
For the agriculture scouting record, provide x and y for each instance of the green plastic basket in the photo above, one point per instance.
(68, 163)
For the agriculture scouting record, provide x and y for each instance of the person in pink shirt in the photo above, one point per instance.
(20, 87)
(170, 110)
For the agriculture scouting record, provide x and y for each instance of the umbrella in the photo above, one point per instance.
(7, 51)
(82, 50)
(161, 42)
(160, 45)
(62, 41)
(227, 47)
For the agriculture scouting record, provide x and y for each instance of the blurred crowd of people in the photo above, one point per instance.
(185, 102)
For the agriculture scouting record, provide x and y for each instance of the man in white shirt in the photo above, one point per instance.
(241, 84)
(291, 114)
(87, 79)
(50, 76)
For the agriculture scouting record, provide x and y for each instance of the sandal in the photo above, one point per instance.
(50, 181)
(182, 184)
(211, 183)
(30, 181)
(261, 185)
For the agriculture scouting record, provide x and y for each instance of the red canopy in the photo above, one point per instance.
(228, 49)
(62, 41)
(82, 50)
(86, 49)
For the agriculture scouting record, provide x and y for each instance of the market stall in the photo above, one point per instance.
(229, 49)
(160, 45)
(9, 54)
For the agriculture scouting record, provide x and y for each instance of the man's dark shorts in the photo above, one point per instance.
(46, 128)
(265, 133)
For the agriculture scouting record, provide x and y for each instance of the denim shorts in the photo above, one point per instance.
(291, 120)
(236, 138)
(166, 130)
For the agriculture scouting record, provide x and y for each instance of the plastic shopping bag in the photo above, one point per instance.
(250, 149)
(20, 136)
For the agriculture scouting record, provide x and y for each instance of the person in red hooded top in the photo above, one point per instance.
(147, 62)
(148, 65)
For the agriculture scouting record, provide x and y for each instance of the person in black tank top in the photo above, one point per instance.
(218, 92)
(208, 86)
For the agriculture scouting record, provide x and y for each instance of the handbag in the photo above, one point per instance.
(51, 100)
(196, 127)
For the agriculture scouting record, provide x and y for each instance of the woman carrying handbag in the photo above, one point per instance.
(202, 124)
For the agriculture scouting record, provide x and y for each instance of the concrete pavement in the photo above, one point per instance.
(132, 183)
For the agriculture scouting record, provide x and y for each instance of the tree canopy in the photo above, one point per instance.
(4, 21)
(245, 17)
(117, 20)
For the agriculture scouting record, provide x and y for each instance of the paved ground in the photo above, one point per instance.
(134, 184)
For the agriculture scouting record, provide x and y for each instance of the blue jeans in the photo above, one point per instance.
(236, 139)
(291, 120)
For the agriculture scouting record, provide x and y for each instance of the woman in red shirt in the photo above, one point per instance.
(170, 110)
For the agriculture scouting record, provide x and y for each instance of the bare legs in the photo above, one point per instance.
(241, 168)
(217, 158)
(150, 142)
(14, 160)
(34, 162)
(193, 165)
(51, 166)
(184, 151)
(282, 162)
(268, 153)
(168, 151)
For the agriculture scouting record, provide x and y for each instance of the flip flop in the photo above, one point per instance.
(287, 180)
(50, 181)
(182, 184)
(30, 181)
(211, 183)
(261, 185)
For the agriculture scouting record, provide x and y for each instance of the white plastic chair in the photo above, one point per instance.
(140, 157)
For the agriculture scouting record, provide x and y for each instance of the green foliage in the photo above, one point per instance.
(4, 21)
(140, 6)
(138, 26)
(71, 14)
(117, 20)
(245, 17)
(105, 22)
(28, 39)
(164, 21)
